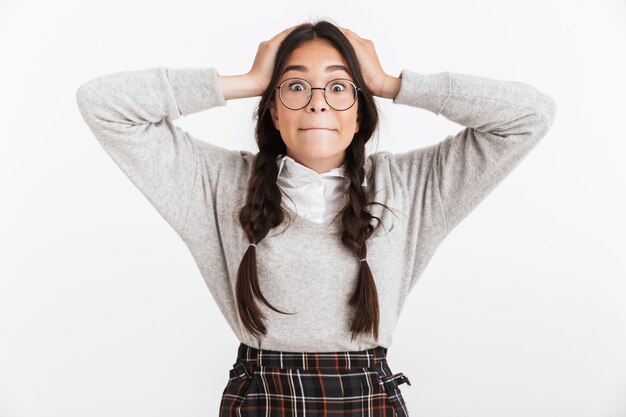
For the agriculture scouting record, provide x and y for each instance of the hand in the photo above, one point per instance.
(263, 64)
(371, 69)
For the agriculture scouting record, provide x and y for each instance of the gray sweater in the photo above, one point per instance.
(197, 186)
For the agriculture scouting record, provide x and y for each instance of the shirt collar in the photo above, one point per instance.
(290, 168)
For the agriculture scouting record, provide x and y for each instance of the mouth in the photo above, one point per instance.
(317, 128)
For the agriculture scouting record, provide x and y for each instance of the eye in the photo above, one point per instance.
(296, 86)
(338, 86)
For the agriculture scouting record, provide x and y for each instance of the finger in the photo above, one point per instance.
(349, 33)
(284, 33)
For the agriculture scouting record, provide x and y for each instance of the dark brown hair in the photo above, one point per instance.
(262, 210)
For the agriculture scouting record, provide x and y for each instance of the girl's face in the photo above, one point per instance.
(320, 150)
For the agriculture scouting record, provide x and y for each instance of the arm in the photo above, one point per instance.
(130, 113)
(504, 121)
(239, 86)
(437, 186)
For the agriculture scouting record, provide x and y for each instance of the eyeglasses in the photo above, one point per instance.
(296, 93)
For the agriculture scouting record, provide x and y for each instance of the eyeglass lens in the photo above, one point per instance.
(340, 94)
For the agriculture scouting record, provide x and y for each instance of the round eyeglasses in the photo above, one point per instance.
(296, 93)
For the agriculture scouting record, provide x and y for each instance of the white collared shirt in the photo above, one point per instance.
(316, 197)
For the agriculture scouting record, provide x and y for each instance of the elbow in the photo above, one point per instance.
(550, 109)
(548, 113)
(82, 96)
(87, 103)
(542, 116)
(87, 92)
(538, 119)
(88, 99)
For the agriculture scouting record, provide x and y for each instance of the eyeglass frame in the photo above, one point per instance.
(356, 97)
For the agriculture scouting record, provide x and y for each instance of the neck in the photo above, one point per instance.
(320, 165)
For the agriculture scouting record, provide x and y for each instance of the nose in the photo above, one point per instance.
(317, 100)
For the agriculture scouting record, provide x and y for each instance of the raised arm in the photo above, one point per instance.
(130, 113)
(437, 186)
(504, 120)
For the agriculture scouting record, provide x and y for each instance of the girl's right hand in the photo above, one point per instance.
(263, 65)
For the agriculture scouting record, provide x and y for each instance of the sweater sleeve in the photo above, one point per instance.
(503, 122)
(130, 113)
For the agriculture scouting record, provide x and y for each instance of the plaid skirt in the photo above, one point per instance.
(267, 383)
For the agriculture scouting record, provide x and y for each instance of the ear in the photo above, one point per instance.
(274, 114)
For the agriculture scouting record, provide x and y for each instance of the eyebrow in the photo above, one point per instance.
(302, 68)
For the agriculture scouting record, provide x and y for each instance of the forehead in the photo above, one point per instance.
(313, 58)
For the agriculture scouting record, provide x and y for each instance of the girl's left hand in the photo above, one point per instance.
(371, 69)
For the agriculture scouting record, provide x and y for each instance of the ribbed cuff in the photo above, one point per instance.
(427, 91)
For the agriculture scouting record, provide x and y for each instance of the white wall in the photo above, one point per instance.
(520, 312)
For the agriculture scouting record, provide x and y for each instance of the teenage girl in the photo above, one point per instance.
(309, 246)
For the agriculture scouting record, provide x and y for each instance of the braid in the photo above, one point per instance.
(261, 212)
(357, 229)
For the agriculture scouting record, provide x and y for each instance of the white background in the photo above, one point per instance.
(521, 311)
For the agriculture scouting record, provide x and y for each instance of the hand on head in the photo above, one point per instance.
(372, 71)
(264, 60)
